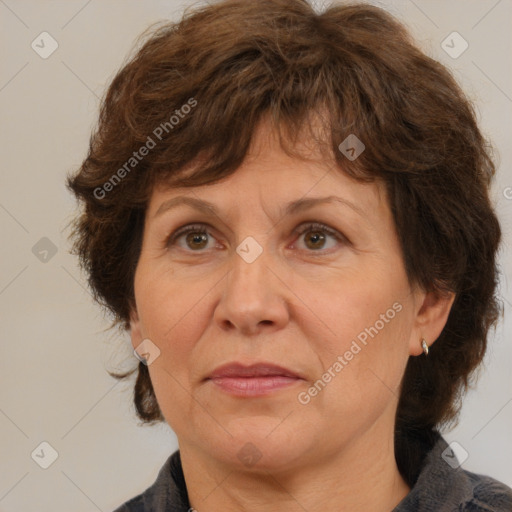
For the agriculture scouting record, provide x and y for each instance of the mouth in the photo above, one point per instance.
(254, 380)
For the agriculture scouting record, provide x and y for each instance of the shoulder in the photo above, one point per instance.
(444, 486)
(488, 494)
(134, 505)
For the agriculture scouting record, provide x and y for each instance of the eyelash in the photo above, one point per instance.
(203, 228)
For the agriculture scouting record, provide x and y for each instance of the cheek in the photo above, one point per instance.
(366, 322)
(349, 305)
(176, 326)
(172, 315)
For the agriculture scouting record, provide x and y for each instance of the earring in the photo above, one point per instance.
(424, 346)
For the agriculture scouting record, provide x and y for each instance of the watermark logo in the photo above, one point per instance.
(44, 45)
(146, 352)
(454, 455)
(249, 455)
(44, 455)
(44, 250)
(352, 147)
(249, 250)
(454, 45)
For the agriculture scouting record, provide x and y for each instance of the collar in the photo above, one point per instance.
(439, 486)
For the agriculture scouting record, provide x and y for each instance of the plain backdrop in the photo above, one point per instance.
(55, 342)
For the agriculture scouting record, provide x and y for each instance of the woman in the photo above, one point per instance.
(290, 214)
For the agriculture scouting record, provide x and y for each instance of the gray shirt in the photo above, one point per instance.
(441, 486)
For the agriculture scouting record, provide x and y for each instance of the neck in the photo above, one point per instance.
(362, 477)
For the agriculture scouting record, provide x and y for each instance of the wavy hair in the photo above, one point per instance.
(240, 61)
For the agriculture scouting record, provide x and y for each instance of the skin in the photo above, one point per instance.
(299, 305)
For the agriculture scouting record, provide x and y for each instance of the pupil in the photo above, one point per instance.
(317, 237)
(197, 239)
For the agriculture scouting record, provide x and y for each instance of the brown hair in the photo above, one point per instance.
(236, 61)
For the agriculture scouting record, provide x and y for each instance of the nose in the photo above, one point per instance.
(253, 298)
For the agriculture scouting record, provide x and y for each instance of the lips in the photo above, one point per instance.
(254, 380)
(254, 370)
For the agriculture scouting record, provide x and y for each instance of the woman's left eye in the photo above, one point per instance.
(317, 235)
(197, 237)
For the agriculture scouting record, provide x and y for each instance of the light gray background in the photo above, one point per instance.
(55, 343)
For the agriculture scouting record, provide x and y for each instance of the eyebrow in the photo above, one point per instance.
(291, 208)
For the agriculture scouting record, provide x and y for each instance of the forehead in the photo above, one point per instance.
(268, 175)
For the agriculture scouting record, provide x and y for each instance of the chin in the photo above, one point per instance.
(260, 444)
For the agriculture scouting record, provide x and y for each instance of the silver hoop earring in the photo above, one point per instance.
(424, 346)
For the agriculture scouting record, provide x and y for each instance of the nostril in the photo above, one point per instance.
(228, 324)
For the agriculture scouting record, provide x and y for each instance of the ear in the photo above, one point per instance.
(135, 329)
(431, 316)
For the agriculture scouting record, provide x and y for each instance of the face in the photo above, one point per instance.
(304, 298)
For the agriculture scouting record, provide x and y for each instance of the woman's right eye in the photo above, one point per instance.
(194, 237)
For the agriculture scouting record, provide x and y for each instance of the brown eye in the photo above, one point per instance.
(315, 237)
(314, 240)
(192, 238)
(197, 240)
